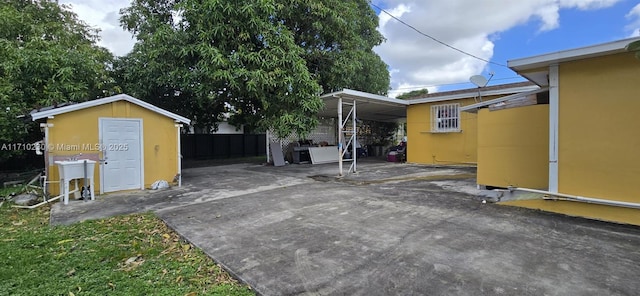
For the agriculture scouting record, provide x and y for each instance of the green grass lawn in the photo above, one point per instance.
(126, 255)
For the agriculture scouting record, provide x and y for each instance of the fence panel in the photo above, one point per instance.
(220, 146)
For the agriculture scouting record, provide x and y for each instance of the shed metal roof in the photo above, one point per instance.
(46, 112)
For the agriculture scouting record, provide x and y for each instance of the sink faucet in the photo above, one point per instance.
(75, 157)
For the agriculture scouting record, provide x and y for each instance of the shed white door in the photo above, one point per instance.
(121, 144)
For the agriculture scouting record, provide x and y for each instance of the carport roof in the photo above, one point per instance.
(368, 106)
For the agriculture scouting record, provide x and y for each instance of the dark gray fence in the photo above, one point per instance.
(206, 146)
(28, 161)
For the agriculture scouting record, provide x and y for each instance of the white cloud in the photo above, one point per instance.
(104, 15)
(586, 4)
(414, 60)
(634, 17)
(469, 25)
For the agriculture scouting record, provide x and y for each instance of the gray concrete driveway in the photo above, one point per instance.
(389, 230)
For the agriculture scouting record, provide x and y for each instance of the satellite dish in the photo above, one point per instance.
(479, 80)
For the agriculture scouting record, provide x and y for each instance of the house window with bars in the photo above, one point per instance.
(445, 118)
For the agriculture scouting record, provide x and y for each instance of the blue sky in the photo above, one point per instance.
(577, 29)
(497, 30)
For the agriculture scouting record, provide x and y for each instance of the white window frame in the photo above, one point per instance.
(445, 118)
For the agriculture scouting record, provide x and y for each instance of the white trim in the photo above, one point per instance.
(544, 60)
(102, 101)
(554, 116)
(141, 154)
(472, 94)
(102, 164)
(474, 108)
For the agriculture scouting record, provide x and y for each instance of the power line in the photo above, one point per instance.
(449, 84)
(434, 39)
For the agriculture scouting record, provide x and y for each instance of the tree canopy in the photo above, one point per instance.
(47, 56)
(413, 94)
(634, 47)
(263, 63)
(338, 37)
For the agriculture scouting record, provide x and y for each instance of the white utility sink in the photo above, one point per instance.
(75, 169)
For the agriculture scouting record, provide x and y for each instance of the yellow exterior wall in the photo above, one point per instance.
(425, 147)
(513, 147)
(599, 146)
(71, 131)
(598, 143)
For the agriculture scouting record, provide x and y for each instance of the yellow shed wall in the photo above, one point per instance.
(73, 131)
(513, 147)
(598, 128)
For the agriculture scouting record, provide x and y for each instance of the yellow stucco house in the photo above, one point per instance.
(439, 133)
(578, 150)
(133, 142)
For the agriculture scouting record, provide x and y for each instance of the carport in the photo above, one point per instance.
(350, 106)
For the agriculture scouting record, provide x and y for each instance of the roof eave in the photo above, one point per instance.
(472, 94)
(544, 60)
(56, 111)
(474, 108)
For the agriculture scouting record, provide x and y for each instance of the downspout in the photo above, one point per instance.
(554, 117)
(178, 126)
(567, 197)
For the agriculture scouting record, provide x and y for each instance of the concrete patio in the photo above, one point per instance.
(391, 229)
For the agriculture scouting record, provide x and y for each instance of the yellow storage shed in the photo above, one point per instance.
(133, 142)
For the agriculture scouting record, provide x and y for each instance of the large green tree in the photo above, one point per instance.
(262, 62)
(338, 37)
(210, 57)
(47, 57)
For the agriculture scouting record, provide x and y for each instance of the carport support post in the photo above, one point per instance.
(342, 142)
(340, 136)
(354, 140)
